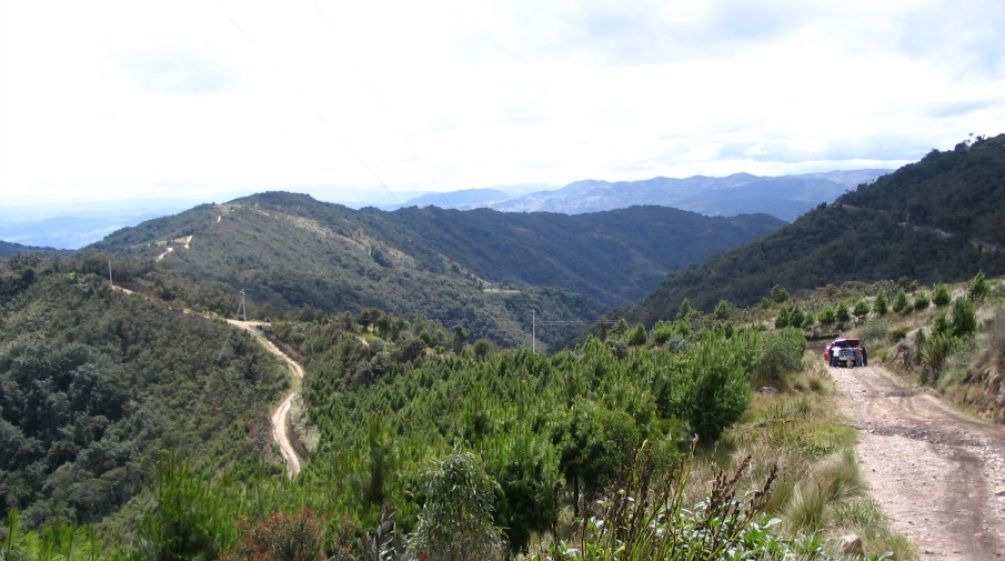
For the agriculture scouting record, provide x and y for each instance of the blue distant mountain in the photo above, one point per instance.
(786, 197)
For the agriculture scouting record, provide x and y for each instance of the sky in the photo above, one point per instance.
(105, 101)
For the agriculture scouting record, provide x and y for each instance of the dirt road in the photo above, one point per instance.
(939, 475)
(280, 417)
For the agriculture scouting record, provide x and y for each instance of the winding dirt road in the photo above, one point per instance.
(280, 417)
(938, 474)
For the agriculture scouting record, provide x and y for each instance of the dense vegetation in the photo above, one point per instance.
(8, 249)
(483, 270)
(95, 383)
(937, 220)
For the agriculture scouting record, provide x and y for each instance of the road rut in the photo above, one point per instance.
(938, 474)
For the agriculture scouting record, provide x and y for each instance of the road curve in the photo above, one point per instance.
(938, 474)
(280, 417)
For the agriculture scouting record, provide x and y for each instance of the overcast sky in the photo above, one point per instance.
(207, 100)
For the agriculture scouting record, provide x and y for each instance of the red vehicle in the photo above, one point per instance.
(846, 352)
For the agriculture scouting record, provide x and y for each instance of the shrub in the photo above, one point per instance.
(861, 309)
(921, 301)
(964, 318)
(842, 313)
(779, 294)
(636, 336)
(649, 517)
(940, 296)
(663, 332)
(189, 520)
(782, 319)
(880, 306)
(455, 523)
(898, 333)
(796, 317)
(900, 302)
(721, 310)
(978, 287)
(783, 353)
(827, 317)
(280, 537)
(937, 348)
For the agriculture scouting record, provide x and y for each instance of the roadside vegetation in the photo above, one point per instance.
(94, 384)
(712, 424)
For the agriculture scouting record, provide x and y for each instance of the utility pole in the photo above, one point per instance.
(533, 331)
(241, 309)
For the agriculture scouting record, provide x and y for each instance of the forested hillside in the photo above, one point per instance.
(482, 270)
(8, 249)
(95, 384)
(936, 220)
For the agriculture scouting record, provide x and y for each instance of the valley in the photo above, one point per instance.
(381, 379)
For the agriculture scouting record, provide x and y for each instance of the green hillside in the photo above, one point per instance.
(483, 270)
(95, 384)
(935, 220)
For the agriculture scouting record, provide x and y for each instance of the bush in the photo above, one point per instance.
(189, 520)
(880, 306)
(636, 336)
(937, 348)
(978, 287)
(782, 319)
(900, 302)
(783, 353)
(280, 537)
(964, 318)
(921, 301)
(455, 523)
(861, 309)
(827, 317)
(842, 313)
(940, 296)
(898, 334)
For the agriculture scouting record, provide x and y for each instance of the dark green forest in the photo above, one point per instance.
(931, 221)
(9, 249)
(95, 385)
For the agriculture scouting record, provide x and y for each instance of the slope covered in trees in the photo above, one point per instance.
(94, 383)
(935, 220)
(9, 249)
(483, 270)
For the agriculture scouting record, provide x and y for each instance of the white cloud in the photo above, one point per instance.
(111, 100)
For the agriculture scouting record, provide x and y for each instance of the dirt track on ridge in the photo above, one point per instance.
(280, 417)
(938, 474)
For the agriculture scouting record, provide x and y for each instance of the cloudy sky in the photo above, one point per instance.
(206, 100)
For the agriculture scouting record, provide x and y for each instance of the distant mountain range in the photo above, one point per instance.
(482, 269)
(939, 219)
(786, 197)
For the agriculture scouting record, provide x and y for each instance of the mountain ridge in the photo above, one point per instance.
(483, 269)
(936, 220)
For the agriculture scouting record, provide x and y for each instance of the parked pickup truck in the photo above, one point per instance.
(846, 352)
